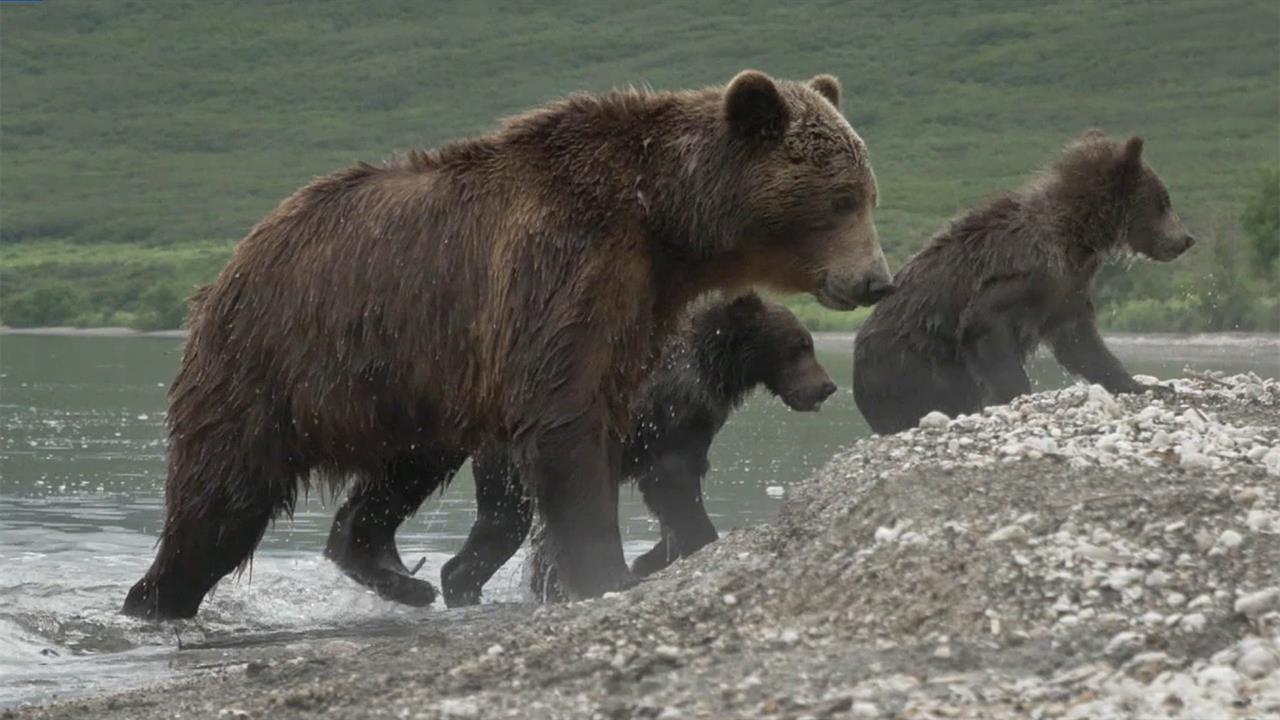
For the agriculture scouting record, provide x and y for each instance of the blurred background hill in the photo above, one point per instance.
(140, 140)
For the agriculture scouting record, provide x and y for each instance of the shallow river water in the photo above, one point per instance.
(82, 468)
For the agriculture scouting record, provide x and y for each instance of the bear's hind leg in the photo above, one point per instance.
(503, 516)
(362, 540)
(216, 514)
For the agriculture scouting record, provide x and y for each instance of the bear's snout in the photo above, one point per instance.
(849, 292)
(810, 398)
(875, 289)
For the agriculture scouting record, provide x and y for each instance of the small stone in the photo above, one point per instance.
(1262, 521)
(1218, 676)
(887, 534)
(1124, 642)
(1256, 604)
(1192, 623)
(1101, 554)
(775, 491)
(729, 599)
(864, 709)
(494, 650)
(1175, 599)
(1245, 496)
(458, 708)
(1157, 579)
(1257, 660)
(1230, 539)
(1147, 665)
(667, 652)
(935, 421)
(1193, 460)
(943, 652)
(1271, 461)
(1122, 578)
(1009, 534)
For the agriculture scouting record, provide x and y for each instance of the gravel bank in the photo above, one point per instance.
(1072, 555)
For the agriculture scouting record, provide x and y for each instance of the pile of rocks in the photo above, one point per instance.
(1071, 555)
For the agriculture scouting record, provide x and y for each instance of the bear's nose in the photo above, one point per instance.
(1188, 241)
(827, 388)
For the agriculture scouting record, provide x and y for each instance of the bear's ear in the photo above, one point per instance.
(746, 304)
(1132, 157)
(1130, 164)
(1093, 135)
(828, 87)
(754, 107)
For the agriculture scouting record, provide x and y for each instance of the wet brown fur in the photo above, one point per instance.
(385, 320)
(995, 282)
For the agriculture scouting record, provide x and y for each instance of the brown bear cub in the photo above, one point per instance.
(726, 350)
(386, 321)
(1000, 279)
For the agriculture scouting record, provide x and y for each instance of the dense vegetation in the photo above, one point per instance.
(139, 140)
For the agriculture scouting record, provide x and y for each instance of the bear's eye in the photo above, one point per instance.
(845, 203)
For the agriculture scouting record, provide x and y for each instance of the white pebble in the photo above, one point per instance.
(1124, 642)
(1258, 603)
(1009, 534)
(1230, 539)
(1257, 660)
(935, 421)
(1192, 623)
(864, 710)
(458, 707)
(1271, 461)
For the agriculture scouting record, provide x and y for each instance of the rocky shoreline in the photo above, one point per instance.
(1072, 555)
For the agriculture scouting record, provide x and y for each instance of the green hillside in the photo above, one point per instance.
(139, 140)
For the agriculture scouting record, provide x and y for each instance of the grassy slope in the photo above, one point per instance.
(151, 129)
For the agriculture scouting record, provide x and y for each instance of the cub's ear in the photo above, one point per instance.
(1132, 157)
(828, 87)
(754, 107)
(1093, 135)
(747, 303)
(1131, 163)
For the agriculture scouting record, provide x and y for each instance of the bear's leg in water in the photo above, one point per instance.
(218, 504)
(503, 516)
(672, 490)
(362, 540)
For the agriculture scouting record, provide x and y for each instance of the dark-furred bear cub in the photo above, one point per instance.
(724, 352)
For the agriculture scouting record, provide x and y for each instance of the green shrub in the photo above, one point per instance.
(162, 307)
(56, 304)
(1261, 222)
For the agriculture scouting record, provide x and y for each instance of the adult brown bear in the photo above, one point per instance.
(385, 321)
(999, 279)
